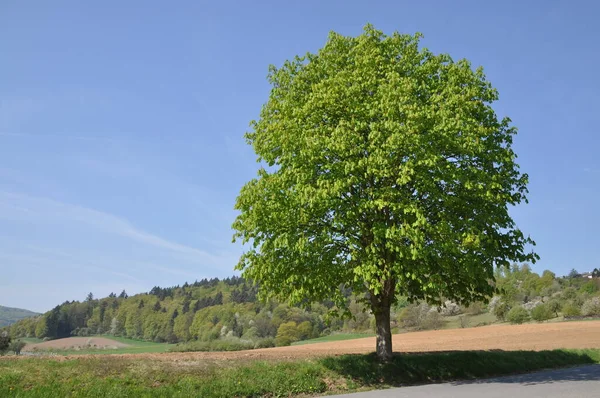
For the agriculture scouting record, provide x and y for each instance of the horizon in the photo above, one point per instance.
(121, 129)
(190, 283)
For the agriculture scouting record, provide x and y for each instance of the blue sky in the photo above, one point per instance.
(121, 127)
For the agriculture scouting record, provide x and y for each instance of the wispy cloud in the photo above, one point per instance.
(59, 136)
(17, 206)
(591, 170)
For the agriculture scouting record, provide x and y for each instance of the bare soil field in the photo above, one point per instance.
(74, 343)
(536, 337)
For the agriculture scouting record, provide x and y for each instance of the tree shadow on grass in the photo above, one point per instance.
(436, 367)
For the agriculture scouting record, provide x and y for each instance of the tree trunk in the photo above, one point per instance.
(384, 333)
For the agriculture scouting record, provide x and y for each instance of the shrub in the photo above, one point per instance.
(464, 321)
(569, 293)
(410, 316)
(420, 317)
(589, 287)
(541, 313)
(267, 342)
(530, 305)
(554, 306)
(16, 346)
(433, 321)
(591, 307)
(449, 308)
(475, 308)
(501, 310)
(517, 315)
(305, 330)
(287, 333)
(570, 309)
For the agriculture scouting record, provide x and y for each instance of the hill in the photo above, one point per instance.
(214, 314)
(9, 315)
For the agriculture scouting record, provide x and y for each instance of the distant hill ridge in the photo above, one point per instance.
(9, 315)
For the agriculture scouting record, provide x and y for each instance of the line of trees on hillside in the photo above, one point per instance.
(216, 309)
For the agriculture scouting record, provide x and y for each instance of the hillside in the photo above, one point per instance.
(225, 314)
(9, 315)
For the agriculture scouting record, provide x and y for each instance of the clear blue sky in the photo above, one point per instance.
(121, 124)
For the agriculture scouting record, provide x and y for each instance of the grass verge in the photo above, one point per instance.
(162, 376)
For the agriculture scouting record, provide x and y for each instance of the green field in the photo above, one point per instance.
(141, 376)
(31, 340)
(450, 322)
(136, 347)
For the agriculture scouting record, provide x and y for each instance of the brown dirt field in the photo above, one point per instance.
(75, 343)
(537, 337)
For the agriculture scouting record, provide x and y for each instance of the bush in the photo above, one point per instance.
(464, 321)
(433, 321)
(16, 346)
(501, 310)
(267, 342)
(475, 308)
(420, 317)
(517, 315)
(554, 306)
(569, 293)
(589, 287)
(410, 316)
(449, 308)
(287, 333)
(591, 307)
(541, 313)
(570, 309)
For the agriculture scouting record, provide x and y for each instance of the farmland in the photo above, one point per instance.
(326, 367)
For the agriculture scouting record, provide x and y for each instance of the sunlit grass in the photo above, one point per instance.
(140, 376)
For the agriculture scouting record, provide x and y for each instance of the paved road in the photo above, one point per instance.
(580, 382)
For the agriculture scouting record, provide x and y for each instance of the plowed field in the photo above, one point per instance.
(546, 336)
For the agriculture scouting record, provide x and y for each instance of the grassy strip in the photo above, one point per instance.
(103, 376)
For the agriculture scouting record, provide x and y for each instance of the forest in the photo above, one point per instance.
(224, 313)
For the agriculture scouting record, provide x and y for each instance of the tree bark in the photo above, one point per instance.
(384, 333)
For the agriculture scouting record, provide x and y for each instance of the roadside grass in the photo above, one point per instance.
(162, 376)
(335, 337)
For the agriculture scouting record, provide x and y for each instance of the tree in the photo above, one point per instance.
(4, 342)
(123, 294)
(384, 170)
(574, 274)
(554, 306)
(16, 346)
(287, 333)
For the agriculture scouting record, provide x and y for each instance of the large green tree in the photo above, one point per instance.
(384, 169)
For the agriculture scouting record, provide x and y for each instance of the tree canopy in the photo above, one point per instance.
(384, 169)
